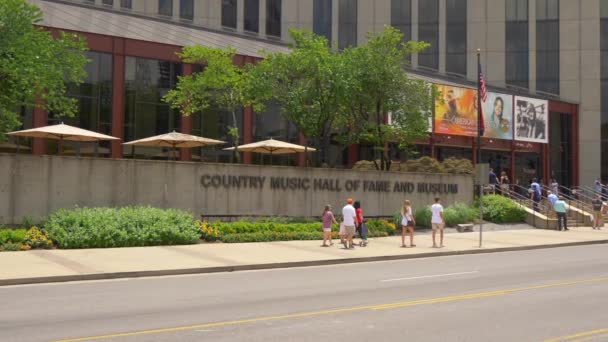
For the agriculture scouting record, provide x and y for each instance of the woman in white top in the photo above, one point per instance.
(407, 223)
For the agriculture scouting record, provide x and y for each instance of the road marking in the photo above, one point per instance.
(428, 276)
(340, 310)
(580, 336)
(203, 330)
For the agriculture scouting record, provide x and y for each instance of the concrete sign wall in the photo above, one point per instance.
(34, 186)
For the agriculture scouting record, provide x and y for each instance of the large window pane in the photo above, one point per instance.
(94, 105)
(165, 7)
(322, 13)
(547, 46)
(146, 82)
(273, 18)
(229, 13)
(456, 36)
(272, 124)
(428, 27)
(252, 15)
(347, 23)
(126, 4)
(186, 9)
(516, 43)
(401, 17)
(214, 123)
(108, 2)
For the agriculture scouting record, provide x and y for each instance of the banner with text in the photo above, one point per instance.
(457, 113)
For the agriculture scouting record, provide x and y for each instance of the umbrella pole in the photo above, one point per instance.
(60, 146)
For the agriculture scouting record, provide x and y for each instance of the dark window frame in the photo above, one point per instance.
(274, 13)
(428, 31)
(165, 8)
(186, 12)
(456, 37)
(348, 12)
(322, 18)
(251, 18)
(547, 46)
(229, 13)
(517, 51)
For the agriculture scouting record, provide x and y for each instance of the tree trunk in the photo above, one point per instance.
(379, 132)
(235, 138)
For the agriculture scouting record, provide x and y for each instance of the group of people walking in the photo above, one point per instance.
(353, 223)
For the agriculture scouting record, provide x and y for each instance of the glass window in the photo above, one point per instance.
(252, 16)
(428, 31)
(273, 18)
(547, 46)
(456, 36)
(322, 12)
(401, 17)
(214, 123)
(94, 105)
(229, 13)
(516, 43)
(146, 115)
(186, 9)
(108, 2)
(271, 124)
(126, 4)
(165, 7)
(347, 23)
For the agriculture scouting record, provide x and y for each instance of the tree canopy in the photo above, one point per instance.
(221, 84)
(35, 68)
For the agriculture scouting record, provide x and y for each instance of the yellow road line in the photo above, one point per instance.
(341, 310)
(580, 336)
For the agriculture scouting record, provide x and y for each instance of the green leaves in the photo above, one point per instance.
(35, 67)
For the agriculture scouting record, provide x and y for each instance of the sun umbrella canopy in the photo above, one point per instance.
(175, 139)
(272, 146)
(62, 132)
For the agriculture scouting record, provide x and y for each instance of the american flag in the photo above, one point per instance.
(483, 96)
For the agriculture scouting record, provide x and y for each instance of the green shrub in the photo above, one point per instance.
(423, 216)
(458, 166)
(459, 213)
(37, 238)
(121, 227)
(499, 209)
(12, 235)
(381, 225)
(424, 164)
(11, 246)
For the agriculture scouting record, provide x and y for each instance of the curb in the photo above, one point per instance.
(218, 269)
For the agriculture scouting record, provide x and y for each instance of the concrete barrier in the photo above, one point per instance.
(34, 186)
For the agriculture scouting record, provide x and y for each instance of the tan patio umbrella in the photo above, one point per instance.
(271, 147)
(62, 132)
(175, 140)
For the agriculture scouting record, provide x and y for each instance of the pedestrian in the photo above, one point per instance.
(493, 181)
(504, 183)
(598, 209)
(551, 197)
(328, 218)
(437, 221)
(360, 224)
(535, 194)
(407, 223)
(555, 187)
(348, 219)
(561, 209)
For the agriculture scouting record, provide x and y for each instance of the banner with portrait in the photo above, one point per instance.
(498, 116)
(531, 119)
(456, 111)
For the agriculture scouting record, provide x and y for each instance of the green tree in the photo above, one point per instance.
(306, 83)
(221, 84)
(376, 85)
(34, 67)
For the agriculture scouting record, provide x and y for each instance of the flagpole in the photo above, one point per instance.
(479, 122)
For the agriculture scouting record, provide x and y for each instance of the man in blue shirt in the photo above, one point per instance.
(552, 198)
(493, 180)
(535, 195)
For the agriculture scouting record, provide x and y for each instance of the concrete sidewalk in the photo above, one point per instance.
(39, 266)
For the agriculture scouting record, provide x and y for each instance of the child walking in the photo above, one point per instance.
(328, 218)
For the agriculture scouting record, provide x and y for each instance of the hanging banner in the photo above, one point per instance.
(531, 119)
(498, 116)
(457, 113)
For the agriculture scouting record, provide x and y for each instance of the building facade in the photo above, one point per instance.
(546, 49)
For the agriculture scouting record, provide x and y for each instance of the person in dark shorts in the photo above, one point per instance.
(598, 208)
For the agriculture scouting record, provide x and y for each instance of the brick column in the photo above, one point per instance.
(185, 154)
(302, 156)
(40, 119)
(118, 98)
(247, 132)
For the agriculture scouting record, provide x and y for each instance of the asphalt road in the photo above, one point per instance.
(516, 296)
